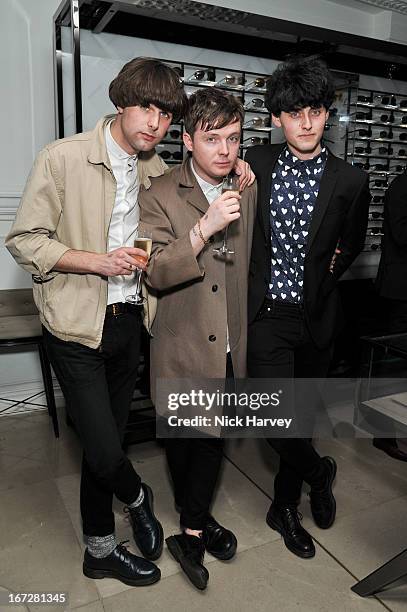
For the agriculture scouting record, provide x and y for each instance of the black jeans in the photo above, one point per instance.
(194, 465)
(98, 385)
(279, 346)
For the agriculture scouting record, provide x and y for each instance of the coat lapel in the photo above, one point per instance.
(326, 188)
(190, 188)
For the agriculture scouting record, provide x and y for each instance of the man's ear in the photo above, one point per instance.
(119, 110)
(276, 120)
(188, 142)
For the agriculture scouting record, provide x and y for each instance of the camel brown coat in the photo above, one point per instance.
(198, 297)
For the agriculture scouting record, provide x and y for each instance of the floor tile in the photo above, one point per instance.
(365, 541)
(40, 551)
(261, 579)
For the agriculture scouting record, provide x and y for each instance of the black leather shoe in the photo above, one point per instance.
(189, 551)
(122, 565)
(286, 520)
(389, 446)
(147, 530)
(219, 542)
(323, 504)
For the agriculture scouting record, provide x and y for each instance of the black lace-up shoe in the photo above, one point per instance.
(323, 504)
(122, 565)
(219, 541)
(147, 530)
(286, 520)
(189, 551)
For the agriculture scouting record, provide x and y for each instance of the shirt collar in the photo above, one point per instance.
(204, 185)
(293, 161)
(115, 149)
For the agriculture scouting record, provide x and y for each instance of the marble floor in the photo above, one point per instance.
(41, 545)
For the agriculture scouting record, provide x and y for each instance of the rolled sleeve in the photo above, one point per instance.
(30, 240)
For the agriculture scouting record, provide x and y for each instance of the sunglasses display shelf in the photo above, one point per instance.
(248, 87)
(378, 135)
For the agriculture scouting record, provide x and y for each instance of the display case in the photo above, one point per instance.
(258, 129)
(378, 145)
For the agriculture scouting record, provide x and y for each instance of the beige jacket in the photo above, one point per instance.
(67, 204)
(198, 297)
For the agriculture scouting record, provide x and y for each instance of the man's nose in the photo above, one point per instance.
(223, 148)
(306, 122)
(154, 120)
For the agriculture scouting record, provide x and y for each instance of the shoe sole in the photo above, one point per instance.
(176, 552)
(98, 574)
(158, 553)
(295, 551)
(333, 500)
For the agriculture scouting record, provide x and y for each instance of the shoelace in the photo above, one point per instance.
(124, 553)
(136, 513)
(293, 519)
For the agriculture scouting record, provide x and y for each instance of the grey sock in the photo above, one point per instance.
(101, 546)
(139, 500)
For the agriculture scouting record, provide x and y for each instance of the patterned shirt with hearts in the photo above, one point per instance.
(294, 190)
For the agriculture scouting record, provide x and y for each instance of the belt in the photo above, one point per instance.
(270, 303)
(120, 308)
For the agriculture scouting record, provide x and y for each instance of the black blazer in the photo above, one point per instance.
(391, 281)
(339, 218)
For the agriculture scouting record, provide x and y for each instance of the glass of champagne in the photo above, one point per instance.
(230, 183)
(143, 240)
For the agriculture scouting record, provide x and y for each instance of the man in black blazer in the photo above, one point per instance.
(311, 224)
(391, 281)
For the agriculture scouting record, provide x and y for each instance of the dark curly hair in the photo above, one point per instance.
(298, 83)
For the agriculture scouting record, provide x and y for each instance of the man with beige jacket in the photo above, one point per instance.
(74, 232)
(200, 326)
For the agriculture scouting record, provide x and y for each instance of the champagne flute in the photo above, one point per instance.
(143, 240)
(230, 183)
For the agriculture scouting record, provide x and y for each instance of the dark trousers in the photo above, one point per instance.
(279, 346)
(98, 385)
(194, 465)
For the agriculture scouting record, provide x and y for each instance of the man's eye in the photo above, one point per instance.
(210, 139)
(234, 139)
(165, 114)
(316, 111)
(294, 115)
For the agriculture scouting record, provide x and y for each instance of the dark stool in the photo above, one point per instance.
(20, 326)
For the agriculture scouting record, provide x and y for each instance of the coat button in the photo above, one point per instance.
(214, 288)
(212, 338)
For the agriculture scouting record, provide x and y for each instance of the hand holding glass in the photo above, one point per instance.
(142, 241)
(230, 183)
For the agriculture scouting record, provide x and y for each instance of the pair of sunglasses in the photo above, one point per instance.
(255, 140)
(177, 155)
(255, 103)
(231, 80)
(257, 122)
(386, 100)
(207, 74)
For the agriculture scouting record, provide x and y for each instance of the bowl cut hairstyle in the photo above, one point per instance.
(144, 81)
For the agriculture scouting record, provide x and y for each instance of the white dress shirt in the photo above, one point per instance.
(211, 192)
(125, 215)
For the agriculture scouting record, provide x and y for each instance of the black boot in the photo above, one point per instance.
(189, 551)
(219, 541)
(323, 504)
(286, 520)
(122, 565)
(147, 530)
